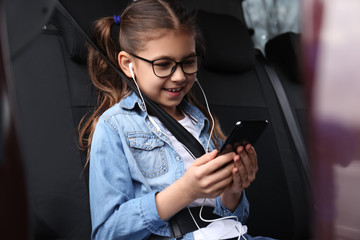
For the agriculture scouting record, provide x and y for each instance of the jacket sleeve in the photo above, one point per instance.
(115, 212)
(241, 212)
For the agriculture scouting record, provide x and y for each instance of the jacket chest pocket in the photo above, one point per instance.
(149, 153)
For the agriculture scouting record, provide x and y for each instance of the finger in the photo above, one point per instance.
(246, 179)
(249, 159)
(237, 181)
(251, 151)
(244, 183)
(244, 159)
(223, 183)
(217, 187)
(253, 156)
(239, 164)
(239, 149)
(242, 172)
(251, 168)
(205, 158)
(220, 162)
(223, 172)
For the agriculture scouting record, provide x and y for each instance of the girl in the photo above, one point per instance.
(141, 177)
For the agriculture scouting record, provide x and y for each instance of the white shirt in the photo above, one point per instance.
(227, 227)
(188, 124)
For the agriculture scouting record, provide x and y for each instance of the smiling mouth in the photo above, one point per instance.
(173, 89)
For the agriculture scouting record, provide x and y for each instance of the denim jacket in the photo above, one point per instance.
(130, 161)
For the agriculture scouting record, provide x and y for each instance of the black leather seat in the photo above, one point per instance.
(53, 92)
(48, 85)
(238, 88)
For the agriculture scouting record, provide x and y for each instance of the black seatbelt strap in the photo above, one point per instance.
(292, 125)
(179, 132)
(281, 127)
(290, 120)
(183, 222)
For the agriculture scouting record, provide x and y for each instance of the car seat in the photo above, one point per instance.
(283, 53)
(53, 92)
(238, 88)
(47, 83)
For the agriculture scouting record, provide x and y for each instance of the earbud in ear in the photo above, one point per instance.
(131, 71)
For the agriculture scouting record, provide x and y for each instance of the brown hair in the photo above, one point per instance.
(138, 19)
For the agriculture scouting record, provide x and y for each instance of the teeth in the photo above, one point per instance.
(174, 89)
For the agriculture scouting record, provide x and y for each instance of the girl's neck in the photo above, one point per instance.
(177, 114)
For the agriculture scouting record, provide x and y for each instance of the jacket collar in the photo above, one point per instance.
(131, 101)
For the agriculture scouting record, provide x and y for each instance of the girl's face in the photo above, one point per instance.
(166, 91)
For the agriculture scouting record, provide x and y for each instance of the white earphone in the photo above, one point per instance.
(150, 118)
(131, 71)
(207, 147)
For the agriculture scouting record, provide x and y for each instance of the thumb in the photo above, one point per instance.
(206, 158)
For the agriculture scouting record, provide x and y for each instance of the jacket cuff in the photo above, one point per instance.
(242, 210)
(150, 216)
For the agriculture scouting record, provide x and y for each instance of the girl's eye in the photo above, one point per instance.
(163, 63)
(190, 61)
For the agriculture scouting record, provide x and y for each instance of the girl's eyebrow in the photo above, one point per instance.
(168, 57)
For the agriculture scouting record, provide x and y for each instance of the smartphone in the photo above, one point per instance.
(243, 132)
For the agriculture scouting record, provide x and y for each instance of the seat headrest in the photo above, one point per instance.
(229, 47)
(75, 43)
(285, 49)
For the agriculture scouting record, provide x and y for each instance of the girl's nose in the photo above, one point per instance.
(178, 75)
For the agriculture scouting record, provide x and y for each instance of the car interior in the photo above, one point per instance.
(53, 92)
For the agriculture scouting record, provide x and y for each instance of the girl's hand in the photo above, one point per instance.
(244, 172)
(247, 164)
(206, 178)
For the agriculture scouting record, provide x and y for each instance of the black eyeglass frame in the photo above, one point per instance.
(173, 68)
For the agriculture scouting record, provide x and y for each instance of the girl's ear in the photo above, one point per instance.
(124, 59)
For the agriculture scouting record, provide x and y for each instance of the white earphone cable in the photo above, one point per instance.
(207, 150)
(211, 116)
(142, 99)
(235, 226)
(137, 86)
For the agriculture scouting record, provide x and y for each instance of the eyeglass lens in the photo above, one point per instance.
(165, 67)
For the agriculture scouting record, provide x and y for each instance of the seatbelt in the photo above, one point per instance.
(279, 111)
(290, 120)
(179, 132)
(183, 222)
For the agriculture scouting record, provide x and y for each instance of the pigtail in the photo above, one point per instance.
(109, 85)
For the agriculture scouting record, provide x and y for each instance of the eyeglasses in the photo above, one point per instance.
(164, 67)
